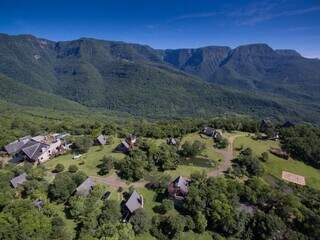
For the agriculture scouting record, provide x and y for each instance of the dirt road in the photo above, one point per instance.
(227, 155)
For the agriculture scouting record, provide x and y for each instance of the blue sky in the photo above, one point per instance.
(170, 23)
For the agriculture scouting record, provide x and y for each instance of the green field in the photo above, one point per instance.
(276, 165)
(90, 159)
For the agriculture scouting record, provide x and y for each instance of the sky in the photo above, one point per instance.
(288, 24)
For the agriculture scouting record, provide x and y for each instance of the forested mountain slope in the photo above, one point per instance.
(143, 81)
(18, 93)
(255, 67)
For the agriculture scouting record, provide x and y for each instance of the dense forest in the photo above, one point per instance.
(303, 143)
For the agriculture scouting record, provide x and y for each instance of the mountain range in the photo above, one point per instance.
(104, 75)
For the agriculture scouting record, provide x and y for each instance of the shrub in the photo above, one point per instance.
(222, 143)
(81, 163)
(79, 177)
(59, 168)
(73, 168)
(167, 205)
(106, 165)
(247, 164)
(192, 150)
(62, 187)
(140, 221)
(265, 156)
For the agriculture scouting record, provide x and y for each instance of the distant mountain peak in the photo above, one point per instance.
(254, 45)
(288, 52)
(255, 48)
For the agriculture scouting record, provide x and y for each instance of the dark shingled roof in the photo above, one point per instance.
(134, 202)
(16, 146)
(85, 188)
(209, 131)
(33, 149)
(18, 180)
(178, 189)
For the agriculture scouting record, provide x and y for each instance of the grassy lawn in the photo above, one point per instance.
(149, 199)
(91, 159)
(276, 165)
(191, 236)
(204, 162)
(185, 171)
(115, 195)
(158, 142)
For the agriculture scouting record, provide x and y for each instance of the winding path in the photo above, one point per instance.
(227, 154)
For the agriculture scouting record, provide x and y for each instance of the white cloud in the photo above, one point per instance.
(252, 13)
(195, 15)
(267, 10)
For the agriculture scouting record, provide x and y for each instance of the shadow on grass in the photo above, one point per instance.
(197, 162)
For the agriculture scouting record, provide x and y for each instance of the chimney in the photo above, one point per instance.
(141, 200)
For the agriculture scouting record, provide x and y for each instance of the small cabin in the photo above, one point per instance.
(85, 188)
(134, 202)
(178, 189)
(101, 140)
(19, 180)
(127, 144)
(208, 131)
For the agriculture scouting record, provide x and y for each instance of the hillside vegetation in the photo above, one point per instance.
(19, 93)
(142, 81)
